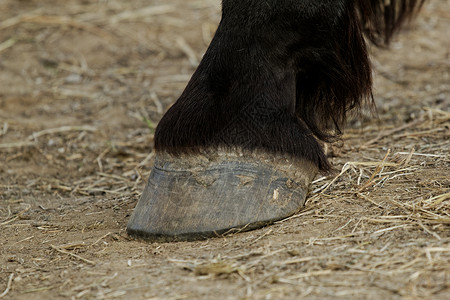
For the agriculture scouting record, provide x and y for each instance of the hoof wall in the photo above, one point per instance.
(206, 195)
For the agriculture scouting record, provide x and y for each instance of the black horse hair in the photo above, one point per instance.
(281, 75)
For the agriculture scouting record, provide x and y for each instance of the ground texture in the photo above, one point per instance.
(83, 85)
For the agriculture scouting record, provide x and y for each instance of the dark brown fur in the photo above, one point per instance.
(279, 74)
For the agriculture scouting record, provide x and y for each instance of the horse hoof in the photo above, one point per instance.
(193, 197)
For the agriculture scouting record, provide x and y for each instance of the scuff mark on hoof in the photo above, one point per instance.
(193, 197)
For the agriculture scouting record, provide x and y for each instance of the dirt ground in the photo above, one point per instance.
(83, 85)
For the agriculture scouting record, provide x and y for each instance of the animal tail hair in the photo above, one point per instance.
(381, 19)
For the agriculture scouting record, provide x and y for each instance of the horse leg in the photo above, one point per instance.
(239, 148)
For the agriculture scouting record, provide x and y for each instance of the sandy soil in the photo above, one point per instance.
(83, 84)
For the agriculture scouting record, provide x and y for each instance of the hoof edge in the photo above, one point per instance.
(198, 197)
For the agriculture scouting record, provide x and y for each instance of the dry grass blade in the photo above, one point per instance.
(190, 53)
(377, 171)
(4, 129)
(370, 200)
(13, 21)
(429, 231)
(421, 133)
(372, 163)
(7, 44)
(387, 133)
(55, 20)
(261, 236)
(16, 216)
(445, 114)
(73, 255)
(146, 159)
(344, 169)
(215, 268)
(302, 260)
(63, 20)
(436, 200)
(64, 92)
(101, 238)
(145, 12)
(17, 145)
(389, 229)
(420, 154)
(158, 104)
(35, 135)
(310, 274)
(8, 286)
